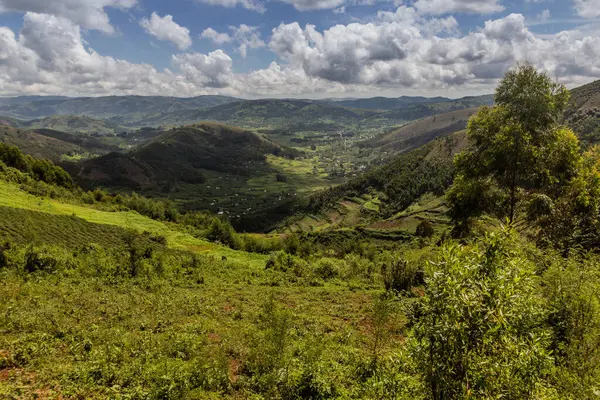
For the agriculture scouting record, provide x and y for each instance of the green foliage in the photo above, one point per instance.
(221, 231)
(400, 275)
(41, 170)
(572, 287)
(572, 219)
(425, 229)
(481, 333)
(516, 148)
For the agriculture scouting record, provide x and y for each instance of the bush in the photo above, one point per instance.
(424, 229)
(222, 232)
(572, 287)
(400, 275)
(481, 333)
(40, 260)
(327, 268)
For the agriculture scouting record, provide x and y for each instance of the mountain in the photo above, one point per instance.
(181, 155)
(74, 124)
(387, 103)
(420, 132)
(28, 99)
(103, 107)
(259, 113)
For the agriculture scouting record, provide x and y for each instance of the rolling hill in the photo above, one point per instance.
(420, 132)
(103, 107)
(258, 113)
(389, 103)
(74, 124)
(55, 145)
(181, 155)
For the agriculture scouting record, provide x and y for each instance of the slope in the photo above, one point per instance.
(95, 225)
(54, 145)
(583, 114)
(75, 124)
(103, 107)
(420, 132)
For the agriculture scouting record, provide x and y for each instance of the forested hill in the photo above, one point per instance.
(181, 155)
(103, 107)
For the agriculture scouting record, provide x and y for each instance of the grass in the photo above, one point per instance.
(12, 196)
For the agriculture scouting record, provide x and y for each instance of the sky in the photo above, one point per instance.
(290, 48)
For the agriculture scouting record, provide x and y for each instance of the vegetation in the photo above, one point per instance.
(120, 296)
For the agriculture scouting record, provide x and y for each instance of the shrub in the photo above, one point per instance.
(400, 275)
(424, 229)
(572, 287)
(39, 260)
(327, 268)
(481, 333)
(222, 232)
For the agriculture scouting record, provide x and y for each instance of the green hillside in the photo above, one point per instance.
(74, 124)
(583, 114)
(420, 132)
(104, 107)
(55, 145)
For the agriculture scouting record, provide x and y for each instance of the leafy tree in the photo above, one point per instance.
(481, 331)
(515, 148)
(572, 219)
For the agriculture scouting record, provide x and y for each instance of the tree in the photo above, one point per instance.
(480, 332)
(515, 148)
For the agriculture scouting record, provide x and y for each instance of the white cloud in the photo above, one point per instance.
(402, 51)
(255, 5)
(218, 38)
(439, 7)
(587, 8)
(245, 37)
(87, 13)
(212, 70)
(398, 51)
(164, 28)
(544, 15)
(306, 5)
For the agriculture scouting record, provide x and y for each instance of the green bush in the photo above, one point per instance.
(40, 259)
(424, 229)
(400, 275)
(482, 332)
(222, 232)
(572, 287)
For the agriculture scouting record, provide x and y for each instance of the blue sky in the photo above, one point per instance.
(295, 48)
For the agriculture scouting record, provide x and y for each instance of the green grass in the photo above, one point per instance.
(12, 196)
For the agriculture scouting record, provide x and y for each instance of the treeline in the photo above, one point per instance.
(41, 170)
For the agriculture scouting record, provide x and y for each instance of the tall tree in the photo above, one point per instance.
(511, 147)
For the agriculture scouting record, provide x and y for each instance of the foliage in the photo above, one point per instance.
(425, 229)
(41, 170)
(481, 333)
(516, 148)
(400, 275)
(572, 287)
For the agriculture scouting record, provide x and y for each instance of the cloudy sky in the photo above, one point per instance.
(290, 48)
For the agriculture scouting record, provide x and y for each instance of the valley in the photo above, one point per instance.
(215, 247)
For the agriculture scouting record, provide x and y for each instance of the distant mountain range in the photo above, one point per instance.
(36, 107)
